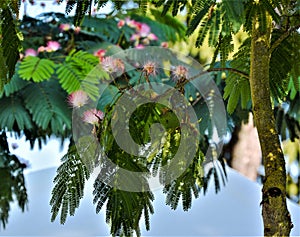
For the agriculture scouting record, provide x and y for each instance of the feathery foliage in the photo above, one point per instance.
(69, 185)
(36, 69)
(124, 209)
(10, 42)
(76, 73)
(12, 185)
(40, 99)
(187, 184)
(14, 114)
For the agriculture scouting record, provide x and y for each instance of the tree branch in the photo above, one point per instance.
(236, 71)
(242, 74)
(282, 38)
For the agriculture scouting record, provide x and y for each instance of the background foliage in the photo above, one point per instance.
(33, 97)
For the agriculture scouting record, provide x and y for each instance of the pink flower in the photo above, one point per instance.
(164, 44)
(41, 49)
(121, 23)
(100, 54)
(140, 46)
(112, 65)
(21, 56)
(152, 36)
(138, 25)
(52, 46)
(144, 30)
(65, 27)
(131, 23)
(149, 68)
(146, 41)
(179, 72)
(78, 98)
(135, 37)
(30, 52)
(93, 116)
(108, 64)
(119, 65)
(77, 29)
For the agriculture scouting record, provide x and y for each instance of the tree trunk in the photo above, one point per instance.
(276, 218)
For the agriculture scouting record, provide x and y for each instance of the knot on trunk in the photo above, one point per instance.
(274, 192)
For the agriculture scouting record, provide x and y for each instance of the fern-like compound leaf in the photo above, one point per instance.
(36, 69)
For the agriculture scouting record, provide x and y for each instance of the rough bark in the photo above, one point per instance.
(276, 218)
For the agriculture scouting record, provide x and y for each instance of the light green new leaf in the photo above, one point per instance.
(81, 71)
(36, 69)
(69, 77)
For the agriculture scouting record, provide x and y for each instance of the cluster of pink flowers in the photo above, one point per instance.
(110, 64)
(67, 27)
(100, 54)
(79, 98)
(93, 116)
(179, 72)
(51, 47)
(142, 35)
(113, 65)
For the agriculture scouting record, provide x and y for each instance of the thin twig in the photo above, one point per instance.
(242, 74)
(283, 37)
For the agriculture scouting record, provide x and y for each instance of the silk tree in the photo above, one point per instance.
(262, 73)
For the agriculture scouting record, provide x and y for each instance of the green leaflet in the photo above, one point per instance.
(69, 185)
(178, 5)
(143, 5)
(69, 77)
(13, 113)
(215, 28)
(186, 185)
(204, 28)
(15, 84)
(83, 6)
(236, 89)
(124, 209)
(233, 93)
(10, 45)
(46, 103)
(3, 71)
(36, 69)
(197, 19)
(79, 71)
(234, 13)
(12, 186)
